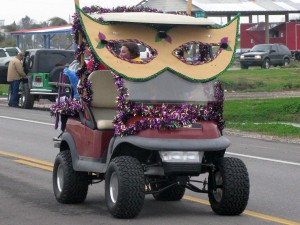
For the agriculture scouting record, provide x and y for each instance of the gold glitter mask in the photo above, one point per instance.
(215, 47)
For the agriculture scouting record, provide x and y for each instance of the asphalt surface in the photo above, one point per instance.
(26, 196)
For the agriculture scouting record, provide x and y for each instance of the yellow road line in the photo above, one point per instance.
(48, 166)
(270, 218)
(248, 212)
(34, 164)
(198, 200)
(26, 158)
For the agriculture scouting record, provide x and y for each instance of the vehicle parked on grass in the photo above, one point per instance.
(3, 74)
(7, 53)
(265, 55)
(43, 68)
(164, 130)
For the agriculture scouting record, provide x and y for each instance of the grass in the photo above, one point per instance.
(264, 116)
(262, 80)
(279, 130)
(3, 89)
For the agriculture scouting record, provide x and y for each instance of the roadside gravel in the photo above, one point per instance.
(262, 95)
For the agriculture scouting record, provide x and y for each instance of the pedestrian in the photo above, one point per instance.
(131, 51)
(15, 73)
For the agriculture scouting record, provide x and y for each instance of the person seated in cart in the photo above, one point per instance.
(131, 51)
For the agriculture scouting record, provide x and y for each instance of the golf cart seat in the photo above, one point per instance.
(103, 105)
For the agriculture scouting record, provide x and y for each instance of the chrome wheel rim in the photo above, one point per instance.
(218, 193)
(60, 178)
(113, 187)
(22, 100)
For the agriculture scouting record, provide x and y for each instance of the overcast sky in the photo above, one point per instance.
(43, 10)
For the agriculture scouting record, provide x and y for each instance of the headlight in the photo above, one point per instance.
(189, 157)
(242, 57)
(258, 57)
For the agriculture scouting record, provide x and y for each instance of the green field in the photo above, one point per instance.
(266, 116)
(3, 89)
(254, 80)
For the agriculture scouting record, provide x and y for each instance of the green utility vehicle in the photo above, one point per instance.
(43, 68)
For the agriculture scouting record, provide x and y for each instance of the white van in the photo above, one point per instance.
(7, 53)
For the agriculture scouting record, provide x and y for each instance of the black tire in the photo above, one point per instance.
(244, 66)
(266, 64)
(26, 99)
(69, 186)
(174, 193)
(286, 62)
(124, 187)
(232, 187)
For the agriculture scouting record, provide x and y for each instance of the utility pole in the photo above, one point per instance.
(189, 7)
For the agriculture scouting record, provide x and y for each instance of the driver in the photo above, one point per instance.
(131, 51)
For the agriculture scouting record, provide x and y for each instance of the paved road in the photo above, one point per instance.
(26, 198)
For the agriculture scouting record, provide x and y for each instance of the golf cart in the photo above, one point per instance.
(152, 126)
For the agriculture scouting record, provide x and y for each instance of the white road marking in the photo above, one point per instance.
(29, 121)
(263, 158)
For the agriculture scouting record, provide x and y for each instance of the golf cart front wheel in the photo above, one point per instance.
(124, 187)
(229, 187)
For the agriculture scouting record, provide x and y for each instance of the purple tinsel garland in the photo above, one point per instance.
(68, 107)
(164, 116)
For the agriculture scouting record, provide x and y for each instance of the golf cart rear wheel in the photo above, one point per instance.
(124, 187)
(174, 193)
(69, 186)
(230, 194)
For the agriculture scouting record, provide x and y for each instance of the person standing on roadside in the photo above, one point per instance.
(15, 73)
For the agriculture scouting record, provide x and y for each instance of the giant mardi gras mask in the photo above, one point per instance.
(166, 35)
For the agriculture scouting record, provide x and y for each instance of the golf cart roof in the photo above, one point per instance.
(152, 18)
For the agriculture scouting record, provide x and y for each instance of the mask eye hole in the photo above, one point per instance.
(132, 50)
(197, 53)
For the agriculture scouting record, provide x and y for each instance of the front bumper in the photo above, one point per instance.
(251, 62)
(168, 144)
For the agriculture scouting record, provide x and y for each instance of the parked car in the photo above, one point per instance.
(7, 53)
(3, 74)
(43, 68)
(265, 55)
